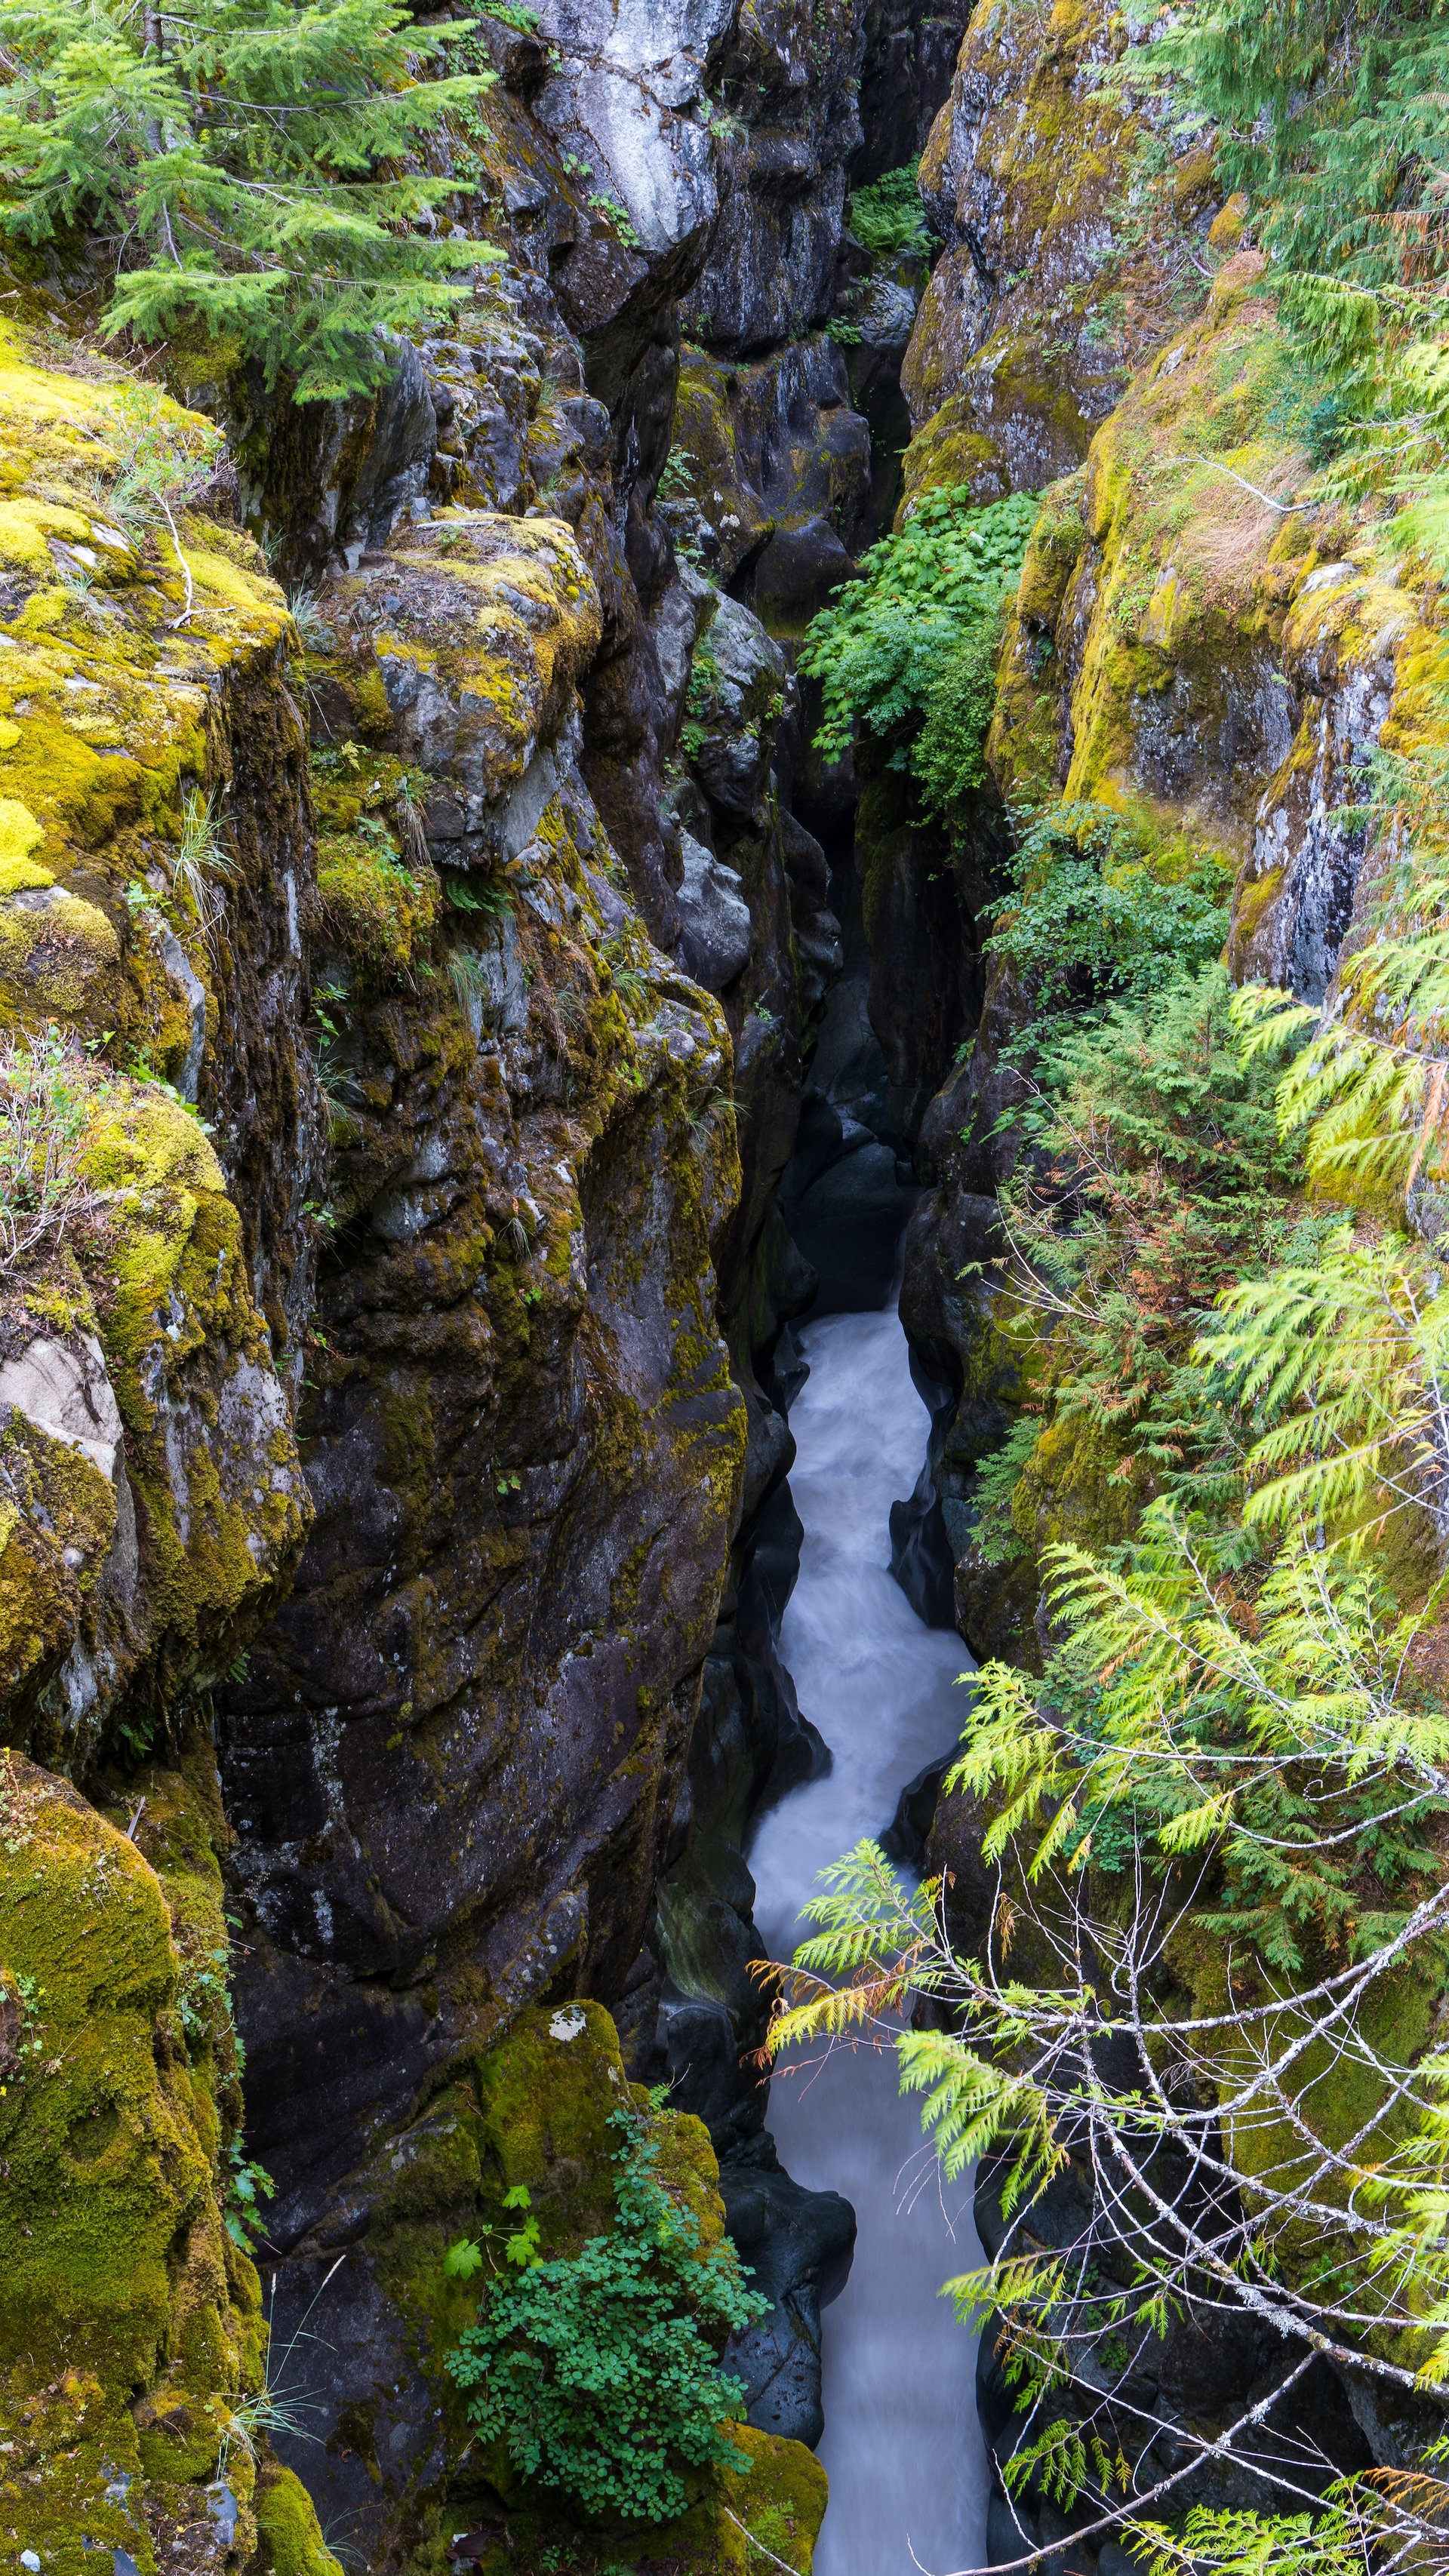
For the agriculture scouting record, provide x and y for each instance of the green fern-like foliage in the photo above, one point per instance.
(1346, 1362)
(1282, 1776)
(888, 218)
(1088, 916)
(919, 633)
(596, 2369)
(1369, 1086)
(1335, 115)
(1154, 1177)
(250, 168)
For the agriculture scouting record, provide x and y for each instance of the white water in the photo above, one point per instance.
(902, 2443)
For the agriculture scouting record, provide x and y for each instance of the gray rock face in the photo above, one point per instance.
(1031, 178)
(738, 699)
(64, 1389)
(680, 616)
(780, 464)
(1340, 648)
(910, 55)
(788, 78)
(716, 931)
(505, 1194)
(626, 75)
(395, 465)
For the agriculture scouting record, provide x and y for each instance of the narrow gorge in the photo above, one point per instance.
(723, 1153)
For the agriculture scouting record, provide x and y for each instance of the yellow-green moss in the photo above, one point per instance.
(115, 2256)
(782, 2500)
(290, 2536)
(178, 1300)
(375, 910)
(56, 1529)
(106, 722)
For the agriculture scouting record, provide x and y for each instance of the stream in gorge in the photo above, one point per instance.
(902, 2442)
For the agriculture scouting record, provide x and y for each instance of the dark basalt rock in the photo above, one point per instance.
(904, 1838)
(797, 2245)
(716, 932)
(922, 1559)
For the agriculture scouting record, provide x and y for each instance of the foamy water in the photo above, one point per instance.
(902, 2442)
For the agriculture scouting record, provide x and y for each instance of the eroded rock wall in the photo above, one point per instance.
(1074, 218)
(375, 1439)
(1206, 663)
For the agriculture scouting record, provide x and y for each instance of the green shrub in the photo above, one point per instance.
(255, 162)
(1334, 116)
(929, 600)
(595, 2368)
(948, 758)
(1157, 1177)
(888, 218)
(1088, 918)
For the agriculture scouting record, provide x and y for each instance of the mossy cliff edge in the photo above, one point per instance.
(1217, 672)
(378, 1006)
(143, 2369)
(1222, 676)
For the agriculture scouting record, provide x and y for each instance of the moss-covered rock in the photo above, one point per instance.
(130, 2319)
(520, 1426)
(156, 1494)
(461, 656)
(770, 467)
(1069, 218)
(538, 2113)
(376, 911)
(1205, 643)
(289, 2536)
(153, 875)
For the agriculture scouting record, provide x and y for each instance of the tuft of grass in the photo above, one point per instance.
(308, 617)
(46, 1096)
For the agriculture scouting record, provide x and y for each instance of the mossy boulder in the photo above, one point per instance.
(376, 911)
(130, 2318)
(108, 685)
(156, 1497)
(1201, 640)
(461, 655)
(546, 2111)
(154, 877)
(289, 2536)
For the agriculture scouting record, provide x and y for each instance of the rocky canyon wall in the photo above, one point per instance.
(461, 1011)
(415, 934)
(1210, 648)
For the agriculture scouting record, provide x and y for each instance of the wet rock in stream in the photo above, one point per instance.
(797, 2244)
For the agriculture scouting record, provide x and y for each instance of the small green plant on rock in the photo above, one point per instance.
(309, 618)
(596, 2368)
(46, 1098)
(676, 475)
(888, 218)
(617, 217)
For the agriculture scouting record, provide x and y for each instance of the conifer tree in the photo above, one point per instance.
(248, 169)
(1335, 114)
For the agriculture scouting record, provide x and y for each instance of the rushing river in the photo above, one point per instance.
(902, 2443)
